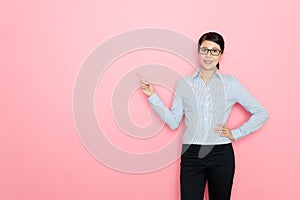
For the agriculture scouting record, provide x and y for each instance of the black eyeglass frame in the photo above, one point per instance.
(210, 51)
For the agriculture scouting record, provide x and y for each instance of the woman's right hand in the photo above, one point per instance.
(148, 89)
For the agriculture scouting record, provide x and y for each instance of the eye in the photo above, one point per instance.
(203, 49)
(215, 50)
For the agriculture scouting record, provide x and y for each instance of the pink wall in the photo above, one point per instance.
(44, 44)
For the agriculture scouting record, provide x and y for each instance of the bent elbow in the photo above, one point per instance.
(266, 115)
(173, 126)
(263, 115)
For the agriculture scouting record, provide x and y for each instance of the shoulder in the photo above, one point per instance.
(229, 80)
(185, 80)
(184, 83)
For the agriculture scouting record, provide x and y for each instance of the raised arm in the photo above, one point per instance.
(171, 117)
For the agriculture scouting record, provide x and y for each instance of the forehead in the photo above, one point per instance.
(209, 44)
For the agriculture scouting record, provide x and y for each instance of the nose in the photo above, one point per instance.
(208, 55)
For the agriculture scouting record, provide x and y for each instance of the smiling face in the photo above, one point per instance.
(209, 61)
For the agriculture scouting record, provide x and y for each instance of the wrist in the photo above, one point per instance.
(150, 94)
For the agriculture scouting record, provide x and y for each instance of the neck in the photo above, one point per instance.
(207, 74)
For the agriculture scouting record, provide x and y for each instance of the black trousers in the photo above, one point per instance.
(212, 163)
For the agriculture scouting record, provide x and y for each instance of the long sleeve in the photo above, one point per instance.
(259, 114)
(171, 117)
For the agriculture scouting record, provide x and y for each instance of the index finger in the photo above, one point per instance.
(142, 80)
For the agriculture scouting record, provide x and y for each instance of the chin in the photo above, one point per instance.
(209, 67)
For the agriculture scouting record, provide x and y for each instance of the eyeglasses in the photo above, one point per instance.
(213, 52)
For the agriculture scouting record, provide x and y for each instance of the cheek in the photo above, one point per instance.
(217, 59)
(201, 57)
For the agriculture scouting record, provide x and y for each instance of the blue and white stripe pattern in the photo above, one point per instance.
(206, 106)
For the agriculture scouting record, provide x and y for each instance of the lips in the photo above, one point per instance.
(208, 61)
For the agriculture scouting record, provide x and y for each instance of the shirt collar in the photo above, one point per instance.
(196, 73)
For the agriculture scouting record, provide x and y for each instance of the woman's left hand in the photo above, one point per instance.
(224, 131)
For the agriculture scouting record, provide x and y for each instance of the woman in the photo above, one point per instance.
(206, 99)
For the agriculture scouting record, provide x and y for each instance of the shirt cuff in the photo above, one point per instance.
(153, 98)
(237, 134)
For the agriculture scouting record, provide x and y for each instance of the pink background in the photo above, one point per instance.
(43, 44)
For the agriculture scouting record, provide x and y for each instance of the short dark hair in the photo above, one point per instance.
(214, 37)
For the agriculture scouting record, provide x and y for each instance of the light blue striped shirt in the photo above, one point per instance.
(205, 106)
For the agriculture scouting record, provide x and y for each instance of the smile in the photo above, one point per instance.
(208, 61)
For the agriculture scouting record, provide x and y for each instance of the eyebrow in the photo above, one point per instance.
(215, 48)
